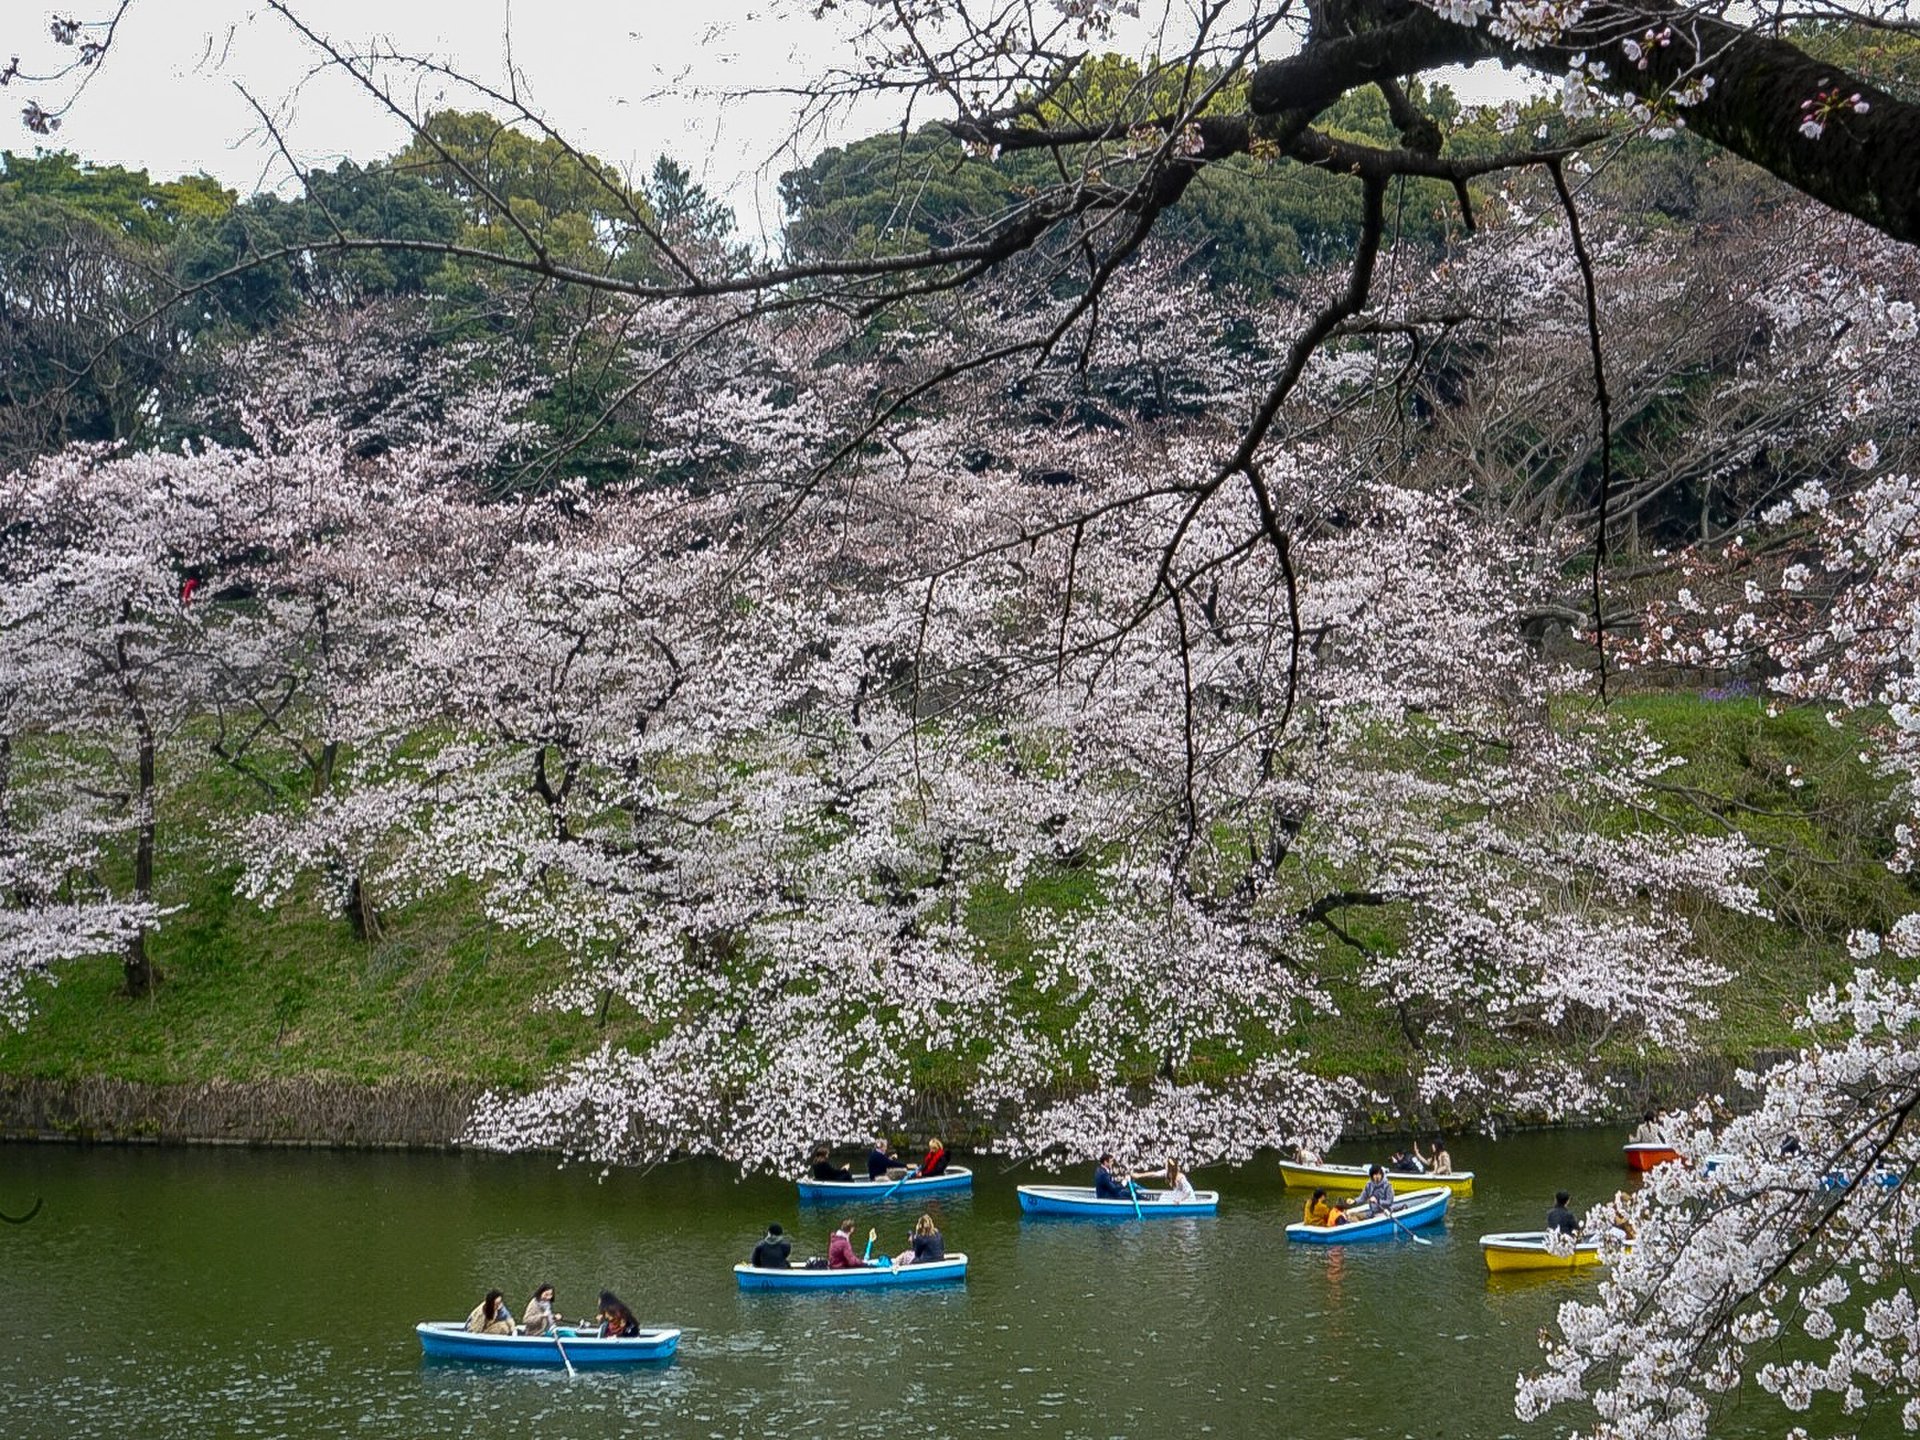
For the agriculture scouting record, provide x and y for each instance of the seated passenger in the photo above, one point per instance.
(1319, 1212)
(1105, 1185)
(1560, 1219)
(772, 1251)
(924, 1246)
(491, 1316)
(1179, 1187)
(936, 1161)
(1438, 1163)
(614, 1318)
(824, 1168)
(1401, 1163)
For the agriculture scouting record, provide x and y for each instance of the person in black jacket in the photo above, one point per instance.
(1560, 1218)
(825, 1169)
(772, 1251)
(615, 1320)
(924, 1246)
(879, 1161)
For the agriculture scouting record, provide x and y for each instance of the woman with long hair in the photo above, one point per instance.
(491, 1316)
(539, 1318)
(615, 1319)
(1178, 1186)
(924, 1245)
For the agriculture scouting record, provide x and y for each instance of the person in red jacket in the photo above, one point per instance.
(936, 1161)
(840, 1254)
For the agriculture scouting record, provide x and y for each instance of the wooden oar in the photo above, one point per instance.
(901, 1181)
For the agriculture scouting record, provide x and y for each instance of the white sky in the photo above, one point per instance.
(627, 81)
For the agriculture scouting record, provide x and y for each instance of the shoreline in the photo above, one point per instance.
(320, 1112)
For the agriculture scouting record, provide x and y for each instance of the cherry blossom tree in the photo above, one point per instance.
(1786, 1267)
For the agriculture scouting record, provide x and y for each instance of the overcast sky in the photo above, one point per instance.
(627, 81)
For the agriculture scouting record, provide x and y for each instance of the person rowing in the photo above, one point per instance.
(840, 1254)
(1106, 1185)
(540, 1317)
(881, 1159)
(1378, 1194)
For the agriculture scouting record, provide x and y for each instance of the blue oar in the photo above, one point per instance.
(867, 1254)
(1135, 1193)
(901, 1181)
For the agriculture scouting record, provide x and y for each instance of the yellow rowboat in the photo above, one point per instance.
(1352, 1179)
(1527, 1250)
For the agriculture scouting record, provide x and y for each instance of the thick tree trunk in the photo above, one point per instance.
(1865, 165)
(141, 974)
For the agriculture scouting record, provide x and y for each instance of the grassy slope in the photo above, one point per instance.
(443, 996)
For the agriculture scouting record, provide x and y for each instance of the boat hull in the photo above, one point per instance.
(1527, 1250)
(1644, 1156)
(1080, 1200)
(451, 1340)
(1415, 1210)
(856, 1192)
(872, 1277)
(1352, 1179)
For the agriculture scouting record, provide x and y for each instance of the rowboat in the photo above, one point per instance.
(867, 1277)
(1644, 1155)
(854, 1192)
(1528, 1250)
(1352, 1179)
(451, 1340)
(1411, 1211)
(1080, 1200)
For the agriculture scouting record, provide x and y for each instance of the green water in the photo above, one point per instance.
(194, 1294)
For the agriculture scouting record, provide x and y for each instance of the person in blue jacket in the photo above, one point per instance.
(1106, 1186)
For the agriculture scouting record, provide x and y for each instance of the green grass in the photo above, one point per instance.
(443, 996)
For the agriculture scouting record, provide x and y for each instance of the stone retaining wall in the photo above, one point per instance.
(303, 1111)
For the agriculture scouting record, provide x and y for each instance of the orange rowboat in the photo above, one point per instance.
(1645, 1156)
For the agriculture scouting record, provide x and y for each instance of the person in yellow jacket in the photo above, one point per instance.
(1319, 1212)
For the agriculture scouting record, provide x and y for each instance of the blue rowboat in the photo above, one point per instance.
(1411, 1211)
(867, 1277)
(854, 1192)
(1832, 1180)
(451, 1340)
(1080, 1200)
